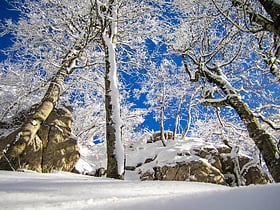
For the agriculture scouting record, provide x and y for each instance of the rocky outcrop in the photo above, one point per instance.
(53, 148)
(250, 170)
(196, 170)
(157, 136)
(197, 161)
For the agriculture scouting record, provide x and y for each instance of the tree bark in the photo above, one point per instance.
(26, 135)
(162, 109)
(113, 127)
(112, 131)
(273, 9)
(263, 140)
(115, 150)
(177, 117)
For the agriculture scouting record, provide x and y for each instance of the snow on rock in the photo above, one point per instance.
(191, 159)
(93, 157)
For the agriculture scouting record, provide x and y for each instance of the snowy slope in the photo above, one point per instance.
(29, 190)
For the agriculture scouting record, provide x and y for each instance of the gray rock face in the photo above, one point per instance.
(53, 148)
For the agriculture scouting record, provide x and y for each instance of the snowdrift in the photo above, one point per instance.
(29, 190)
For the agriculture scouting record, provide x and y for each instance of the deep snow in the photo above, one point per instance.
(30, 190)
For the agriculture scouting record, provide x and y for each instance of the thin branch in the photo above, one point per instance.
(267, 121)
(9, 162)
(229, 19)
(197, 74)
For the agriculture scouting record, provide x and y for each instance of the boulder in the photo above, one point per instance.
(197, 170)
(53, 148)
(157, 136)
(196, 160)
(250, 170)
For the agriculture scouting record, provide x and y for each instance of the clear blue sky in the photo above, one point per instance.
(6, 12)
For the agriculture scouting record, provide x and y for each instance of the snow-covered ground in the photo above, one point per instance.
(30, 190)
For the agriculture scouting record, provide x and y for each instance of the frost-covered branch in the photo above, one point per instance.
(271, 25)
(267, 121)
(236, 166)
(195, 77)
(217, 103)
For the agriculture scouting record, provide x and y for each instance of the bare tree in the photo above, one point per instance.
(108, 14)
(264, 141)
(211, 55)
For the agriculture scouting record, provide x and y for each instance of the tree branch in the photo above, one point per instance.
(266, 23)
(197, 74)
(215, 102)
(267, 121)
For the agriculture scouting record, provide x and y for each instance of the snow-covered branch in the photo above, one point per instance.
(221, 102)
(267, 121)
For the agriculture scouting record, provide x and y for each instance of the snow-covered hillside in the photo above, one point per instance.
(29, 190)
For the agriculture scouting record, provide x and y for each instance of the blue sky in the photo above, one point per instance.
(6, 12)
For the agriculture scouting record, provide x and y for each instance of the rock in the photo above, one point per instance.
(130, 168)
(211, 154)
(197, 170)
(147, 175)
(220, 158)
(197, 161)
(100, 172)
(157, 136)
(60, 149)
(32, 161)
(251, 172)
(53, 148)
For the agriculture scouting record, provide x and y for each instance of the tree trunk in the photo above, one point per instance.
(16, 156)
(272, 7)
(263, 140)
(115, 154)
(115, 150)
(187, 128)
(162, 109)
(177, 117)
